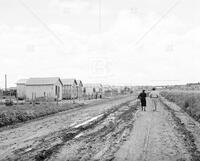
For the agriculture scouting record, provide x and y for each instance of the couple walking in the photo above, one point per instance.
(153, 95)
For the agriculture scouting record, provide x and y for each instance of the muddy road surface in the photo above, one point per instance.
(39, 139)
(116, 130)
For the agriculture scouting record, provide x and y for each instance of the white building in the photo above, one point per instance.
(50, 88)
(69, 88)
(21, 88)
(93, 90)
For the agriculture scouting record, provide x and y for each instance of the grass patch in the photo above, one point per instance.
(189, 101)
(10, 115)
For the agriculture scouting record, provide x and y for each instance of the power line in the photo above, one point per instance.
(41, 21)
(158, 21)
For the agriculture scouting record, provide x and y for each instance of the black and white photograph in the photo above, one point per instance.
(99, 80)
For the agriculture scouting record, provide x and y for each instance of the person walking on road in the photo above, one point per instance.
(154, 95)
(142, 96)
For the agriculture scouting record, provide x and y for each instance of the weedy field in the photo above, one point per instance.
(189, 101)
(19, 113)
(10, 115)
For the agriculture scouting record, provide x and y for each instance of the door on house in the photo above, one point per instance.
(57, 91)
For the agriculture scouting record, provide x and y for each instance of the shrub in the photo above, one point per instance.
(186, 104)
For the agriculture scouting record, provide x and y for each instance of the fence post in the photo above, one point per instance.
(17, 98)
(32, 99)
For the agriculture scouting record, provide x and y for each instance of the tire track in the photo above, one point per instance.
(146, 142)
(38, 132)
(52, 143)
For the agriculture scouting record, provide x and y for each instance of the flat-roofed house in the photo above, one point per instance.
(21, 88)
(79, 89)
(69, 88)
(49, 87)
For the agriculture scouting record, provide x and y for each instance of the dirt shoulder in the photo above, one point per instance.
(188, 127)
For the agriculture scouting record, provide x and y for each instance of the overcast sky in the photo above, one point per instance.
(132, 42)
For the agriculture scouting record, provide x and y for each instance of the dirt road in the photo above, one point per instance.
(157, 136)
(116, 130)
(42, 134)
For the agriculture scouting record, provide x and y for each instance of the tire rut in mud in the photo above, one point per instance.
(186, 135)
(103, 140)
(48, 146)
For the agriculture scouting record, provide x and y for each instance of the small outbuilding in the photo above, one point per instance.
(50, 88)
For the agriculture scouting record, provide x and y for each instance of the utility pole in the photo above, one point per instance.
(5, 82)
(77, 93)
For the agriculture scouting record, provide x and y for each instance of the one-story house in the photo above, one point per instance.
(49, 87)
(21, 88)
(109, 90)
(69, 88)
(93, 90)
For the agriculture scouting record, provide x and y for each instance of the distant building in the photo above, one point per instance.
(107, 90)
(79, 89)
(12, 91)
(93, 90)
(110, 90)
(50, 88)
(21, 88)
(193, 86)
(69, 89)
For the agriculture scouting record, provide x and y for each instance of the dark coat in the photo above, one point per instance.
(142, 96)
